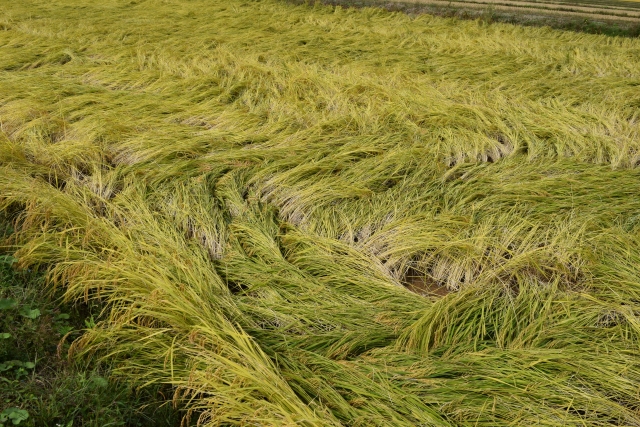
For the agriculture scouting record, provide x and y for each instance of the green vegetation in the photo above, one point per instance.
(37, 386)
(242, 188)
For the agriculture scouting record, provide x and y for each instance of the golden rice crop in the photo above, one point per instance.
(246, 185)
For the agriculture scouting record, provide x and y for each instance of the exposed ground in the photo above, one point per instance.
(314, 216)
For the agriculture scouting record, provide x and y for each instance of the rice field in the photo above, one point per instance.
(611, 17)
(627, 11)
(317, 216)
(630, 14)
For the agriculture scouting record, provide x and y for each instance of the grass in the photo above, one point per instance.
(39, 383)
(242, 188)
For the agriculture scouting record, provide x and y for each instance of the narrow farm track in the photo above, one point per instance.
(321, 216)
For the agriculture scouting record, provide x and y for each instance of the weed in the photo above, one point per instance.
(38, 387)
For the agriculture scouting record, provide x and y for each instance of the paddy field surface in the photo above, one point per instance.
(304, 215)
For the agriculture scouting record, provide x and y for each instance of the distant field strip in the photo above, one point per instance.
(324, 216)
(562, 8)
(616, 11)
(596, 5)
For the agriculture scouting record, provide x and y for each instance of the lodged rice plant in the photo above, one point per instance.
(316, 216)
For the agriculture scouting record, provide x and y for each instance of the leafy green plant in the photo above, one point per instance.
(7, 303)
(14, 415)
(15, 368)
(54, 391)
(30, 313)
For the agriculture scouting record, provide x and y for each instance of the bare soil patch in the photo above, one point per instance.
(422, 285)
